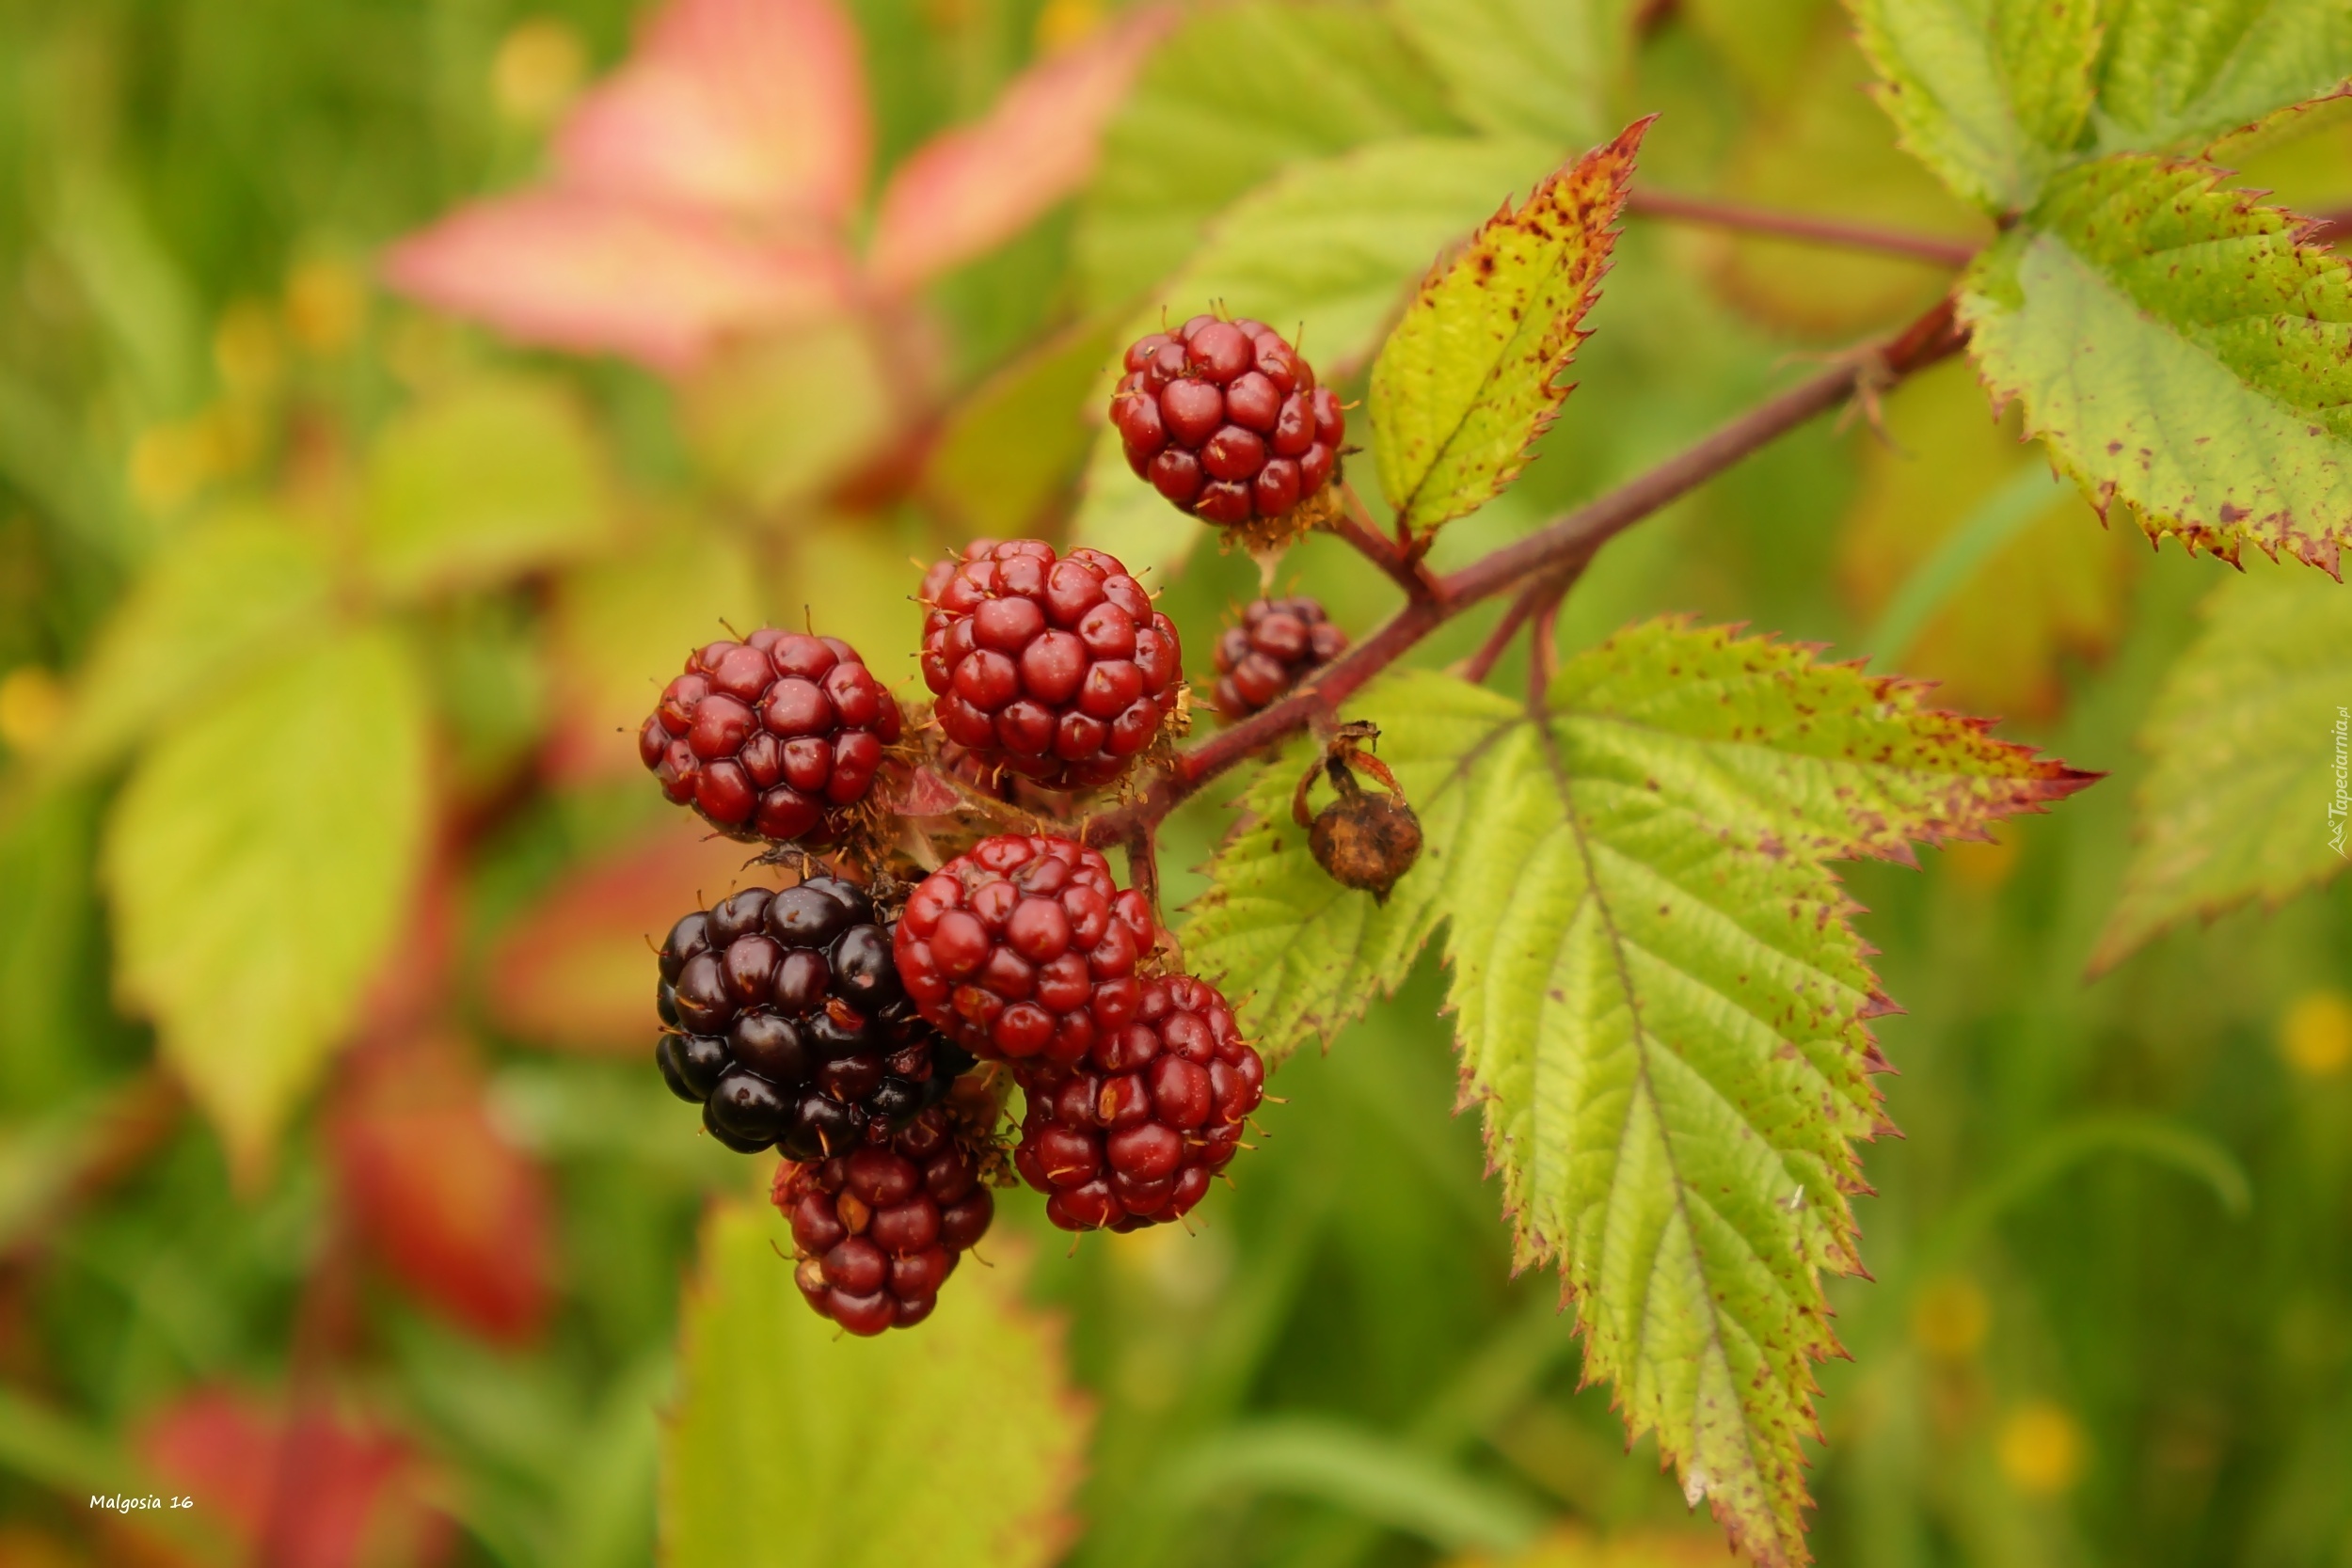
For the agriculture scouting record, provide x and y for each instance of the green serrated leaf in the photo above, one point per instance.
(232, 588)
(1323, 252)
(2180, 349)
(1661, 1003)
(1300, 954)
(2247, 799)
(496, 478)
(1008, 450)
(794, 1446)
(1526, 68)
(259, 864)
(1469, 379)
(2176, 74)
(1991, 94)
(1243, 90)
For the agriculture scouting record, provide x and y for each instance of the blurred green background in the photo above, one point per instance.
(322, 617)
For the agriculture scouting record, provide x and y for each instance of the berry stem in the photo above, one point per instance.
(1543, 648)
(1798, 226)
(1354, 524)
(1479, 664)
(1567, 541)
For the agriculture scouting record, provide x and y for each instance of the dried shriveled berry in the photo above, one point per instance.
(1025, 948)
(878, 1230)
(1225, 420)
(775, 738)
(1366, 841)
(787, 1023)
(1276, 643)
(1055, 668)
(1130, 1134)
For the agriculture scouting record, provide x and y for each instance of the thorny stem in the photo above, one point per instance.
(1798, 226)
(1572, 537)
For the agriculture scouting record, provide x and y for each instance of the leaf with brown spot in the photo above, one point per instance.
(1469, 378)
(1662, 1001)
(2183, 349)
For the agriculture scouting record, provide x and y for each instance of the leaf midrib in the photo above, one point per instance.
(1561, 779)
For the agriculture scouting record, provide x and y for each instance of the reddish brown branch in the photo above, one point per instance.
(1354, 524)
(1572, 539)
(1481, 664)
(1798, 226)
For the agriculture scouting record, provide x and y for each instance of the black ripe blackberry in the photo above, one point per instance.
(786, 1021)
(878, 1230)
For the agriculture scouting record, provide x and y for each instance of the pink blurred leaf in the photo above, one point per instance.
(756, 108)
(577, 971)
(315, 1492)
(587, 273)
(967, 191)
(452, 1208)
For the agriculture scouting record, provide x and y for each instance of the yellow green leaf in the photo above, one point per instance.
(1469, 378)
(1991, 94)
(237, 586)
(259, 863)
(1661, 1007)
(2247, 799)
(2181, 349)
(495, 479)
(953, 1445)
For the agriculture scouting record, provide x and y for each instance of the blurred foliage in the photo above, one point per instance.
(335, 1190)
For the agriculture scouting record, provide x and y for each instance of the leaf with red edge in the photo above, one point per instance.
(577, 971)
(600, 274)
(968, 190)
(751, 107)
(450, 1208)
(1469, 378)
(312, 1491)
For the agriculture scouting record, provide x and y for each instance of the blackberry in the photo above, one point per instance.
(1131, 1134)
(878, 1230)
(1024, 948)
(1276, 643)
(1225, 420)
(1056, 669)
(777, 736)
(787, 1023)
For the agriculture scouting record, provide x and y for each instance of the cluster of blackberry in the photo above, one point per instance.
(869, 1030)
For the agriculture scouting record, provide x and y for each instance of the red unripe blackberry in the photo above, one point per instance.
(878, 1230)
(787, 1023)
(1130, 1133)
(777, 736)
(1276, 643)
(1058, 670)
(1225, 420)
(1024, 948)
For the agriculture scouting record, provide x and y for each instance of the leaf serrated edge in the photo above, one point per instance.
(2226, 541)
(1611, 164)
